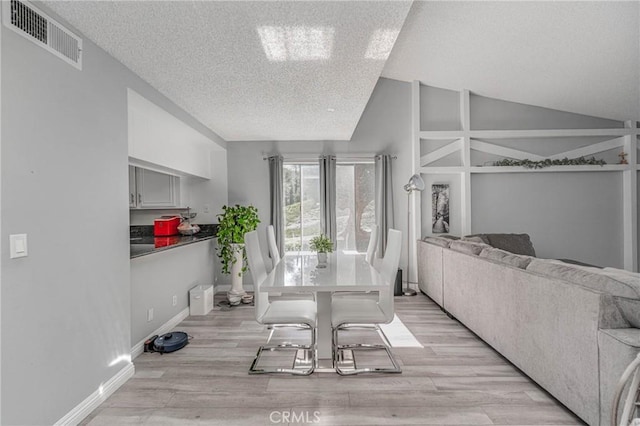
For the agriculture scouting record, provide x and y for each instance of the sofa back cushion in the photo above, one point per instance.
(442, 242)
(467, 247)
(592, 278)
(505, 257)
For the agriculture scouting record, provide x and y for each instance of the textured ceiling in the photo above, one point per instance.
(581, 57)
(272, 70)
(251, 70)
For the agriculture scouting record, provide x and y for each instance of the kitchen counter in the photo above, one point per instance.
(142, 242)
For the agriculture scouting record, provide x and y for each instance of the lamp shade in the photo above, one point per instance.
(415, 184)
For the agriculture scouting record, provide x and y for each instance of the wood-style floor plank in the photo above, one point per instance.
(456, 379)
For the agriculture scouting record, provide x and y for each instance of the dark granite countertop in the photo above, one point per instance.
(142, 242)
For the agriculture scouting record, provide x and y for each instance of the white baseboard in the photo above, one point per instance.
(138, 348)
(82, 410)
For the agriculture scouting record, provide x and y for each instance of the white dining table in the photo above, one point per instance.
(299, 272)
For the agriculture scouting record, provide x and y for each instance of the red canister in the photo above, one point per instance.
(165, 226)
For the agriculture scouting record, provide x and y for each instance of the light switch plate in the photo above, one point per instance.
(17, 246)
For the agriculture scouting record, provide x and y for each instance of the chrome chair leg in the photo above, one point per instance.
(337, 348)
(311, 349)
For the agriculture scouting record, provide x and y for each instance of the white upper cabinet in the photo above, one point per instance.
(157, 138)
(157, 189)
(150, 189)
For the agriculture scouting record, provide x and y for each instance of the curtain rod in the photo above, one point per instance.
(312, 157)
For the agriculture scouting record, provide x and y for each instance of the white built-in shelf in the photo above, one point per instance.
(465, 140)
(552, 169)
(519, 169)
(534, 133)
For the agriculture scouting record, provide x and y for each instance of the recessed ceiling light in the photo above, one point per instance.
(296, 43)
(380, 44)
(331, 109)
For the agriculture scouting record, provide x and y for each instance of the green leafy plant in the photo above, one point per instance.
(321, 244)
(530, 164)
(233, 223)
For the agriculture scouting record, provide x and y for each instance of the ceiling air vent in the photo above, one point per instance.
(28, 21)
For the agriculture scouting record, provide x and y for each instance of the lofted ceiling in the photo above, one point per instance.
(581, 57)
(304, 70)
(251, 70)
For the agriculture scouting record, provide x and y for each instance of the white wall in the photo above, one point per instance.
(66, 307)
(385, 127)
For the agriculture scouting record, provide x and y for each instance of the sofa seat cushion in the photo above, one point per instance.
(505, 257)
(592, 278)
(467, 247)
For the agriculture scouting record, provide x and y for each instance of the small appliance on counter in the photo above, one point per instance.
(186, 228)
(166, 226)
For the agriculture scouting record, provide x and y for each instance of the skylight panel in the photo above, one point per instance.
(381, 43)
(296, 43)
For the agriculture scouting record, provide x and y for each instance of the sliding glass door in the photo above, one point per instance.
(355, 205)
(301, 205)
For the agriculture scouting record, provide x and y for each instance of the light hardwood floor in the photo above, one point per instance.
(456, 379)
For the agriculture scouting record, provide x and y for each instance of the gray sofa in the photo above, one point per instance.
(572, 329)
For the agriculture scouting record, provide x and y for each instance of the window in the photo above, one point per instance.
(355, 205)
(301, 205)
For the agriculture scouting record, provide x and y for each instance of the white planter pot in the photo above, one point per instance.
(235, 294)
(322, 259)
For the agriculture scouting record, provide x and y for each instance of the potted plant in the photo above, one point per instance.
(233, 223)
(322, 245)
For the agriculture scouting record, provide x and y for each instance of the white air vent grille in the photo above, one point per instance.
(31, 23)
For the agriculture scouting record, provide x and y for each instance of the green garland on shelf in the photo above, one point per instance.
(530, 164)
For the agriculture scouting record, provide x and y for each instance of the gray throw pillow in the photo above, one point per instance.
(513, 243)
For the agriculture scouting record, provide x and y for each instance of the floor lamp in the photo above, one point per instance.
(415, 184)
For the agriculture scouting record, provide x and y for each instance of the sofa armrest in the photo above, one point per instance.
(617, 349)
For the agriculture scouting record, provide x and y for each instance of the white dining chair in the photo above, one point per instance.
(630, 410)
(362, 310)
(281, 312)
(373, 242)
(274, 253)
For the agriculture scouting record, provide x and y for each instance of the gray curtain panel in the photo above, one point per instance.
(328, 196)
(384, 200)
(277, 199)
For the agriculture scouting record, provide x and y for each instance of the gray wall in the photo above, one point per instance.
(66, 307)
(385, 127)
(157, 277)
(568, 215)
